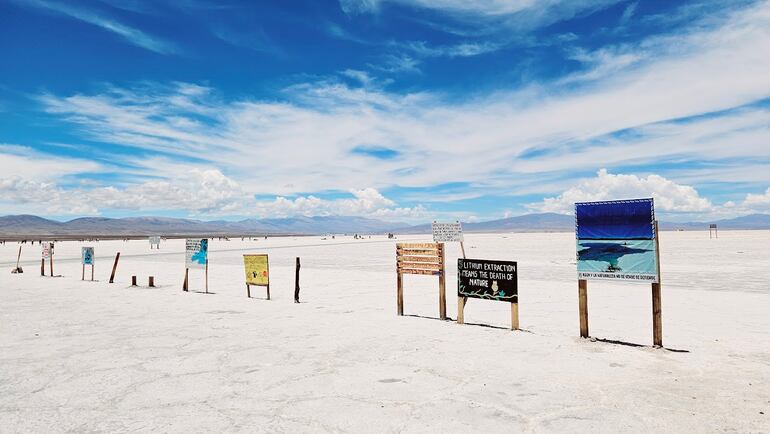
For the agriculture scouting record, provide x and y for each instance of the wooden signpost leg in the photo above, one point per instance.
(114, 267)
(186, 276)
(657, 320)
(442, 295)
(248, 291)
(583, 301)
(296, 283)
(400, 294)
(268, 291)
(515, 315)
(461, 310)
(83, 275)
(51, 262)
(92, 272)
(42, 267)
(207, 276)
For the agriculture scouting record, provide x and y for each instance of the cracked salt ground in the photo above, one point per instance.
(99, 357)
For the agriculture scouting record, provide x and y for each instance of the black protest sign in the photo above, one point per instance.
(491, 280)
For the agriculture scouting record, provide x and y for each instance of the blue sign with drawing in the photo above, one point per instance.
(616, 240)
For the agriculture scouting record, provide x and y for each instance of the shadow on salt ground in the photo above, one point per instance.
(468, 323)
(201, 292)
(634, 345)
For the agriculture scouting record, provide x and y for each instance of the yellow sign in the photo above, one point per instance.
(257, 270)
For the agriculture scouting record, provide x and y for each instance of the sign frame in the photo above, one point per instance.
(267, 270)
(462, 297)
(657, 321)
(422, 259)
(188, 242)
(87, 260)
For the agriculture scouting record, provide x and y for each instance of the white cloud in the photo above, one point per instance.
(507, 142)
(200, 192)
(758, 201)
(669, 196)
(130, 34)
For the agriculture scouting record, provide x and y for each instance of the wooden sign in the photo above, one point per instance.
(87, 258)
(423, 259)
(154, 241)
(257, 270)
(713, 227)
(489, 280)
(618, 240)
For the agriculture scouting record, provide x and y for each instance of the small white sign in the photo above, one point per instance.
(154, 241)
(196, 253)
(447, 232)
(47, 250)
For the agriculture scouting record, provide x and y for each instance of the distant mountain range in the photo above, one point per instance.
(17, 225)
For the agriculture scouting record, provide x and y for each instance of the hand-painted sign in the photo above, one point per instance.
(447, 232)
(491, 280)
(616, 240)
(47, 250)
(257, 270)
(154, 241)
(196, 253)
(87, 256)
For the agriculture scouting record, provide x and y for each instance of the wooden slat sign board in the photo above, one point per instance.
(488, 280)
(422, 259)
(257, 271)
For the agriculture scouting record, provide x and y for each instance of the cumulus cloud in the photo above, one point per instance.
(199, 192)
(669, 196)
(758, 201)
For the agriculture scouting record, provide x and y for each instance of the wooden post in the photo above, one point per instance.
(83, 274)
(151, 282)
(42, 267)
(248, 291)
(207, 276)
(462, 248)
(400, 294)
(657, 315)
(461, 310)
(92, 272)
(296, 282)
(515, 315)
(442, 285)
(583, 301)
(268, 291)
(18, 258)
(114, 267)
(186, 275)
(51, 262)
(133, 280)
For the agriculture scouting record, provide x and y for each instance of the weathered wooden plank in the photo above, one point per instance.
(425, 265)
(423, 272)
(432, 259)
(418, 245)
(434, 253)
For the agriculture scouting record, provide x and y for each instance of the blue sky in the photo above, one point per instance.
(407, 110)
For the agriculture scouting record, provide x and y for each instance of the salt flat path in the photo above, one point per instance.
(90, 356)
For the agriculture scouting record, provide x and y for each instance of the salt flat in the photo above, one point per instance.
(92, 356)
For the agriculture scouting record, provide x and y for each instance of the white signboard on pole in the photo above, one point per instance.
(47, 250)
(447, 232)
(196, 253)
(155, 241)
